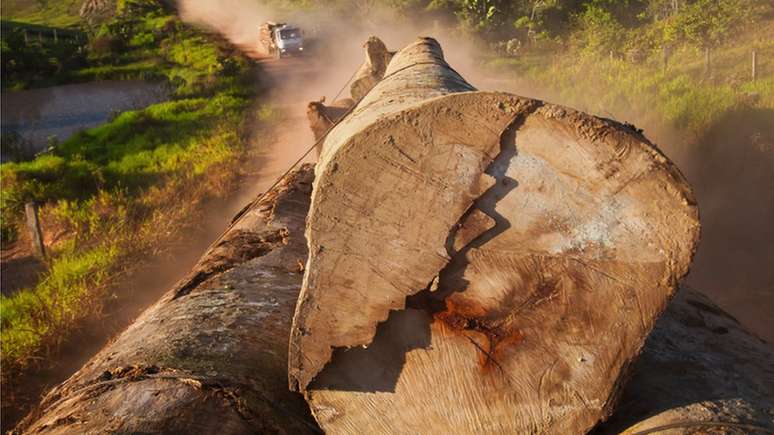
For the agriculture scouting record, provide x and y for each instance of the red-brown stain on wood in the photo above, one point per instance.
(490, 339)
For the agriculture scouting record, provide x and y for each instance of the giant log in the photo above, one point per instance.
(211, 355)
(211, 359)
(701, 372)
(481, 262)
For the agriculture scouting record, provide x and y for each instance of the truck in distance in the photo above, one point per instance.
(281, 39)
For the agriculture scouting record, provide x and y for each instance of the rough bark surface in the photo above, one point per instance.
(700, 373)
(211, 356)
(541, 245)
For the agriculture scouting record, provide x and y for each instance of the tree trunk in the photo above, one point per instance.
(700, 372)
(211, 356)
(481, 262)
(226, 340)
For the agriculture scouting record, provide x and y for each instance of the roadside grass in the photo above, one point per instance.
(57, 301)
(143, 41)
(115, 193)
(113, 190)
(140, 70)
(681, 95)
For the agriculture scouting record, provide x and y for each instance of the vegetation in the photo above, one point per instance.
(142, 40)
(679, 94)
(55, 13)
(43, 64)
(642, 58)
(654, 66)
(115, 192)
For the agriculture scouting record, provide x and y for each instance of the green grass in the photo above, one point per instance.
(681, 96)
(30, 318)
(136, 149)
(96, 187)
(144, 69)
(119, 190)
(55, 13)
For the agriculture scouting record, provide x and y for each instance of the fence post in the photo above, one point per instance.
(33, 225)
(26, 37)
(754, 64)
(56, 37)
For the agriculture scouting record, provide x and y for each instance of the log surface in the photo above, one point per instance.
(481, 262)
(211, 356)
(355, 206)
(697, 365)
(700, 372)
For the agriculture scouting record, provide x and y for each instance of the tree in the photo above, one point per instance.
(599, 31)
(488, 17)
(706, 23)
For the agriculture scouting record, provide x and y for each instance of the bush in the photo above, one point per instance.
(599, 32)
(693, 107)
(25, 64)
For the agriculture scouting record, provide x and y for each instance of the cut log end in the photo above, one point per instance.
(445, 172)
(555, 240)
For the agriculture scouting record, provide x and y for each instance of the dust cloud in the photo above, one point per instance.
(237, 20)
(336, 40)
(730, 165)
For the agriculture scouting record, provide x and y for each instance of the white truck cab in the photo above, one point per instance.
(280, 39)
(289, 40)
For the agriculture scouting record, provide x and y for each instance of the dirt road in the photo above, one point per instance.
(285, 87)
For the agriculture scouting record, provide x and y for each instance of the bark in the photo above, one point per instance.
(700, 372)
(481, 262)
(211, 356)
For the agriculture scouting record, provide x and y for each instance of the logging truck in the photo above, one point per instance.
(281, 39)
(468, 262)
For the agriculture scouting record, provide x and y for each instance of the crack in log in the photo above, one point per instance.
(426, 298)
(236, 248)
(438, 304)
